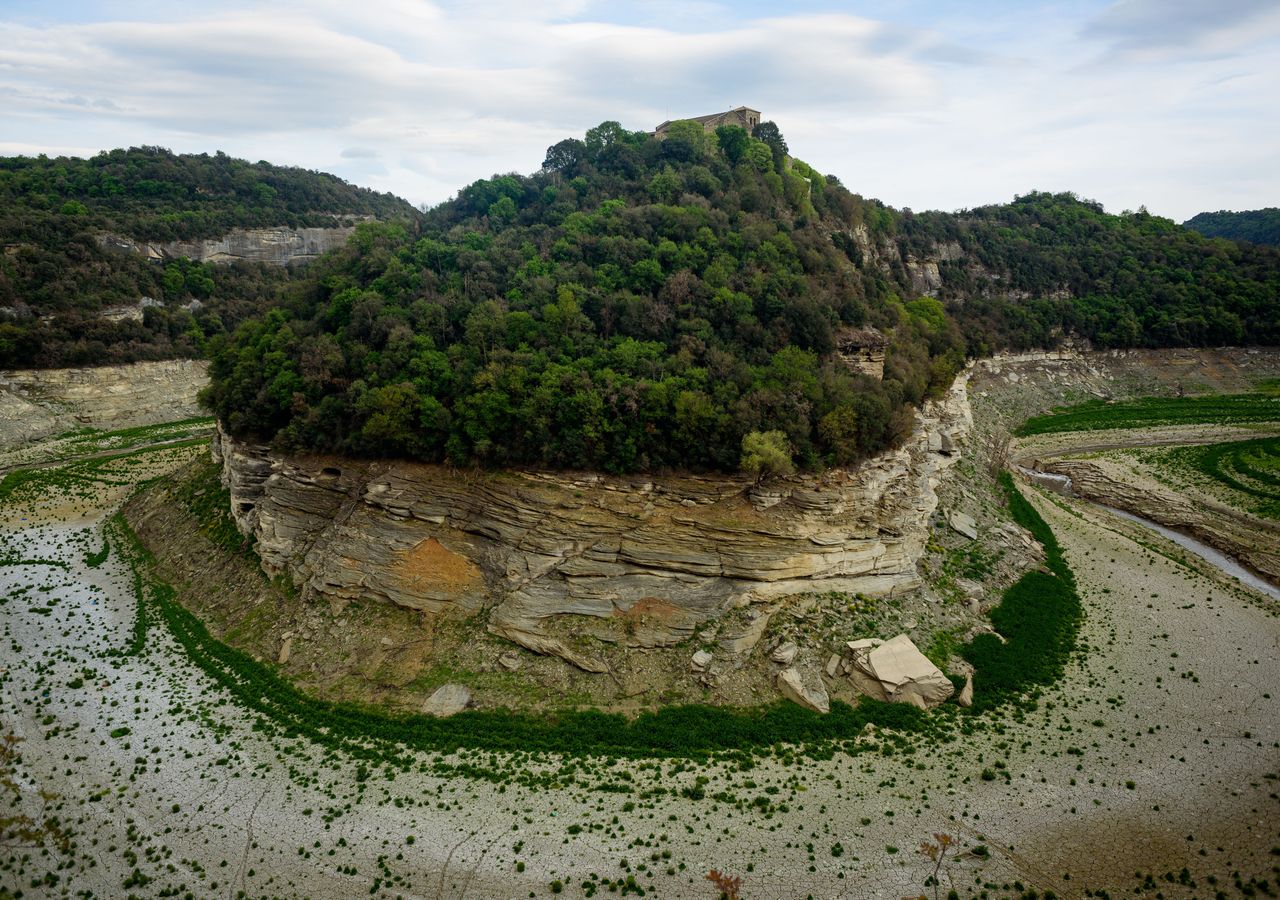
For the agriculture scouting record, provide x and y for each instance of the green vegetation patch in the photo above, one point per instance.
(1213, 409)
(1039, 618)
(1249, 468)
(203, 494)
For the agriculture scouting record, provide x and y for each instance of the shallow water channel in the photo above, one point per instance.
(1061, 484)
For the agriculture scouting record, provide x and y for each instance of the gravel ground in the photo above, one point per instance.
(1157, 752)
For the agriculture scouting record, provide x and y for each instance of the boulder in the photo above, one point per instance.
(965, 697)
(510, 661)
(810, 693)
(785, 654)
(963, 523)
(903, 673)
(447, 700)
(700, 661)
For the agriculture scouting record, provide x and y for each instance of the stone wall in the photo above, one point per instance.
(650, 559)
(38, 403)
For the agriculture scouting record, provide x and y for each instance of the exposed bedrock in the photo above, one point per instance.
(275, 246)
(646, 560)
(1252, 540)
(39, 403)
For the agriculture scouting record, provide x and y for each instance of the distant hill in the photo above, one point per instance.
(56, 278)
(1257, 226)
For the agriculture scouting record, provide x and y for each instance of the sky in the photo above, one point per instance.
(1171, 104)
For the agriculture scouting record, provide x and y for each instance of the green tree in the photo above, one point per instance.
(733, 142)
(766, 454)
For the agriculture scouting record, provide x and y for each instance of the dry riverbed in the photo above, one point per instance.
(1157, 752)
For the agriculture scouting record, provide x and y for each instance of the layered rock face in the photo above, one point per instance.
(37, 403)
(645, 561)
(275, 246)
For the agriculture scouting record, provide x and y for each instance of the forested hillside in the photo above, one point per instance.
(1051, 265)
(641, 304)
(56, 278)
(1258, 226)
(637, 304)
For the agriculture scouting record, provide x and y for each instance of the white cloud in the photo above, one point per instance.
(421, 98)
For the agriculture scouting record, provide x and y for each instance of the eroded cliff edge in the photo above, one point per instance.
(558, 557)
(275, 246)
(39, 403)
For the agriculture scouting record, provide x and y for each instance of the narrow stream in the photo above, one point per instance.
(1204, 551)
(1061, 484)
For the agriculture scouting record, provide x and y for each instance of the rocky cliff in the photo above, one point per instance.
(275, 246)
(551, 558)
(37, 403)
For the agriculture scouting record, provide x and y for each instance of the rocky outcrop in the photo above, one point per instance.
(38, 403)
(448, 700)
(274, 246)
(896, 671)
(556, 559)
(809, 692)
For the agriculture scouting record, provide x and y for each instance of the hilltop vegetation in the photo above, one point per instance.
(1052, 265)
(55, 278)
(641, 304)
(637, 304)
(1258, 226)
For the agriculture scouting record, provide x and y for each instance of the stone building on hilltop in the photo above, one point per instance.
(743, 117)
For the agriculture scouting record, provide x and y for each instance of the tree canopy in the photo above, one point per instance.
(1257, 226)
(637, 304)
(56, 278)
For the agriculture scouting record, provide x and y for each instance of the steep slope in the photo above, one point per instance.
(103, 258)
(638, 304)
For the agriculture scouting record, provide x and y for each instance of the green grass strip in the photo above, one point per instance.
(1039, 618)
(1213, 409)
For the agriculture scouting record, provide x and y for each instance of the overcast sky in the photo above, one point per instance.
(1174, 104)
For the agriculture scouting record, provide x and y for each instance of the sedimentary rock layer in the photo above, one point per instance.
(276, 246)
(649, 559)
(37, 403)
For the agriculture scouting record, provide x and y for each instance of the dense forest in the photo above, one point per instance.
(1257, 226)
(637, 304)
(641, 304)
(1046, 266)
(56, 278)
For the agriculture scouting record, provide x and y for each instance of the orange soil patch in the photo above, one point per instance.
(433, 569)
(650, 608)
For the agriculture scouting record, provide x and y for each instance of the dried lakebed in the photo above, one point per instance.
(1157, 752)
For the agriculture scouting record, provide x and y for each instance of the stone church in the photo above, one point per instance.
(743, 117)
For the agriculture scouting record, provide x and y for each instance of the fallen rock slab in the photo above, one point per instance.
(904, 673)
(810, 693)
(964, 524)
